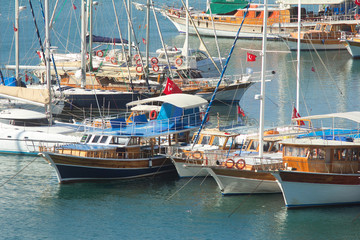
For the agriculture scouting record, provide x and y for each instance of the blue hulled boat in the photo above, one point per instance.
(132, 147)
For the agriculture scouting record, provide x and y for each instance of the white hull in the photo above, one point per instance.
(353, 48)
(28, 142)
(231, 29)
(238, 185)
(302, 194)
(189, 170)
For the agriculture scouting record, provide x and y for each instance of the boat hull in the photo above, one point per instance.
(187, 169)
(303, 189)
(353, 48)
(234, 181)
(230, 94)
(73, 168)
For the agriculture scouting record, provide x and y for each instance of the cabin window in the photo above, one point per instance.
(216, 18)
(223, 19)
(83, 139)
(31, 122)
(317, 153)
(103, 139)
(206, 18)
(229, 142)
(317, 27)
(205, 140)
(119, 140)
(258, 14)
(95, 139)
(328, 28)
(88, 139)
(296, 152)
(216, 141)
(346, 28)
(133, 141)
(253, 146)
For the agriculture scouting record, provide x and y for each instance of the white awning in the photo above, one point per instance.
(180, 100)
(311, 2)
(354, 116)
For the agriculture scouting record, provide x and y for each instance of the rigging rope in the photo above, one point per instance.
(221, 76)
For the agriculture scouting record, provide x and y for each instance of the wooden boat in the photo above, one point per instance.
(132, 147)
(325, 36)
(318, 172)
(352, 43)
(185, 156)
(227, 17)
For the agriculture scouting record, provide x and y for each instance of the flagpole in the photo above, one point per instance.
(298, 58)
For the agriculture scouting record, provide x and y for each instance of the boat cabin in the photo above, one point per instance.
(318, 155)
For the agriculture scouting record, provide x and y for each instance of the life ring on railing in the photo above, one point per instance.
(240, 164)
(153, 114)
(113, 60)
(138, 68)
(99, 53)
(137, 56)
(154, 60)
(178, 62)
(229, 163)
(155, 68)
(357, 16)
(138, 61)
(197, 155)
(202, 115)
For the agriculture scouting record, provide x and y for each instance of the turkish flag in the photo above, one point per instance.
(357, 2)
(171, 88)
(15, 29)
(295, 114)
(240, 111)
(74, 7)
(144, 41)
(250, 57)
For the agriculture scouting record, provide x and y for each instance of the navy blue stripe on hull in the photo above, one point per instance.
(71, 173)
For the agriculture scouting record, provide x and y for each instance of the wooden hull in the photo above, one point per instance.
(304, 189)
(314, 44)
(234, 181)
(72, 168)
(353, 48)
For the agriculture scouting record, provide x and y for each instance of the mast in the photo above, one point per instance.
(186, 43)
(83, 44)
(129, 32)
(147, 38)
(16, 29)
(298, 58)
(262, 91)
(90, 9)
(47, 57)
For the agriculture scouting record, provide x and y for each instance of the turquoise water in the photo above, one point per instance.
(35, 206)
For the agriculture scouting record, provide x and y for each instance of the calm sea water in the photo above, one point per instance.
(35, 206)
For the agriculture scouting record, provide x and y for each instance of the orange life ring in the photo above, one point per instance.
(240, 164)
(154, 60)
(136, 56)
(138, 68)
(153, 114)
(178, 62)
(271, 132)
(155, 67)
(197, 155)
(229, 163)
(357, 16)
(113, 60)
(99, 53)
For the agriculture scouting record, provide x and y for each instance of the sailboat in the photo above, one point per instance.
(23, 131)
